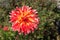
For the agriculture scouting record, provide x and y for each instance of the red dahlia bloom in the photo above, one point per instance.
(24, 20)
(5, 28)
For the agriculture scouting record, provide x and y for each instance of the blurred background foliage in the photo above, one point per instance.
(46, 14)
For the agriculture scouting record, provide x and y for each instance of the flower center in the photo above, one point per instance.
(25, 19)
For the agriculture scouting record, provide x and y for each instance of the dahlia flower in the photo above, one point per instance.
(24, 19)
(5, 28)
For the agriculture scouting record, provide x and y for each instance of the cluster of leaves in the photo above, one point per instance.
(45, 11)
